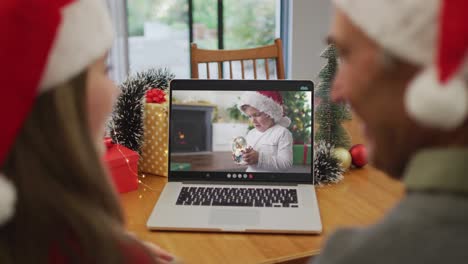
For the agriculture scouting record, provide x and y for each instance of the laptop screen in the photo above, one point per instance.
(241, 131)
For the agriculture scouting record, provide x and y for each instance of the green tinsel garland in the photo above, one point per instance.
(126, 124)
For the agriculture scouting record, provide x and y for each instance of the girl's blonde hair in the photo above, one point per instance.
(65, 198)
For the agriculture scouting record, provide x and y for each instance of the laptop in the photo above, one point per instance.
(210, 185)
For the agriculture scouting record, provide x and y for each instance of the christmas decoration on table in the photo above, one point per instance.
(154, 150)
(327, 167)
(157, 78)
(343, 157)
(239, 147)
(358, 155)
(328, 115)
(126, 124)
(122, 163)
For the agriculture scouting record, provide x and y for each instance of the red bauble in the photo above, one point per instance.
(359, 155)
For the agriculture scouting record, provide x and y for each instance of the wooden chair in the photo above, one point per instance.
(203, 56)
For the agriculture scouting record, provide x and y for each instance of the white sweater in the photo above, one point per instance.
(274, 147)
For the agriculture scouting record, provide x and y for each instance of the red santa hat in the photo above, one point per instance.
(429, 33)
(269, 102)
(46, 43)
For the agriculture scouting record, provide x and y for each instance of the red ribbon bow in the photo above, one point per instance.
(155, 95)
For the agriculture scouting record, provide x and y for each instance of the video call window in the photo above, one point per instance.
(240, 131)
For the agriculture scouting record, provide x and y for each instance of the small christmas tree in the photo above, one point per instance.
(299, 111)
(329, 115)
(126, 125)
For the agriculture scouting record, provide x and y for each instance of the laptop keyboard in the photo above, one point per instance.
(248, 197)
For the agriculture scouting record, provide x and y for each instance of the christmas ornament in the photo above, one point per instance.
(358, 155)
(343, 157)
(155, 95)
(327, 168)
(239, 147)
(126, 125)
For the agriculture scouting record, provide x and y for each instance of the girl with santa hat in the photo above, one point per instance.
(56, 201)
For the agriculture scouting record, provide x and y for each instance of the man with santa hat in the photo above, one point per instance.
(403, 71)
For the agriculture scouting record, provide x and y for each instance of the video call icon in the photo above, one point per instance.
(239, 176)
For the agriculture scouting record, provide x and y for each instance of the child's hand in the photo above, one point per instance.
(250, 156)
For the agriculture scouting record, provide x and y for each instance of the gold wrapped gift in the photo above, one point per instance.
(154, 152)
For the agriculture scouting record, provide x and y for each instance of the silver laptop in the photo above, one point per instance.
(213, 185)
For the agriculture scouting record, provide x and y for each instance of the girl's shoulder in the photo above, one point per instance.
(277, 129)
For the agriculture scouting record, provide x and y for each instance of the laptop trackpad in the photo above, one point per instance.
(234, 217)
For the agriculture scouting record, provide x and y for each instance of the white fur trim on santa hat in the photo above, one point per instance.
(408, 30)
(405, 28)
(7, 199)
(84, 36)
(284, 121)
(264, 104)
(436, 105)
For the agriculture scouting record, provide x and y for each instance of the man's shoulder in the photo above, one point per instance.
(423, 228)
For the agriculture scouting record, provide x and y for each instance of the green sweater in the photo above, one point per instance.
(429, 225)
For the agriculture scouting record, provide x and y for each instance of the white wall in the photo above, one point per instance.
(309, 27)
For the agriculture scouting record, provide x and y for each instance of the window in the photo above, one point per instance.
(158, 35)
(160, 31)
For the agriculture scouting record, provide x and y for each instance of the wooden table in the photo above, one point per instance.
(362, 198)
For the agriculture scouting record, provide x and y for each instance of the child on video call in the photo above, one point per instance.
(270, 142)
(57, 203)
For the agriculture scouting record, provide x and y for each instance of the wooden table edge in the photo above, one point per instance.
(292, 257)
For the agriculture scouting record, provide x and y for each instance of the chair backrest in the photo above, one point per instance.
(265, 53)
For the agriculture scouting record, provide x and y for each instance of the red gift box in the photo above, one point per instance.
(124, 174)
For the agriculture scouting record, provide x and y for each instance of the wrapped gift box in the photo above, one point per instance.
(154, 151)
(122, 163)
(175, 166)
(302, 154)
